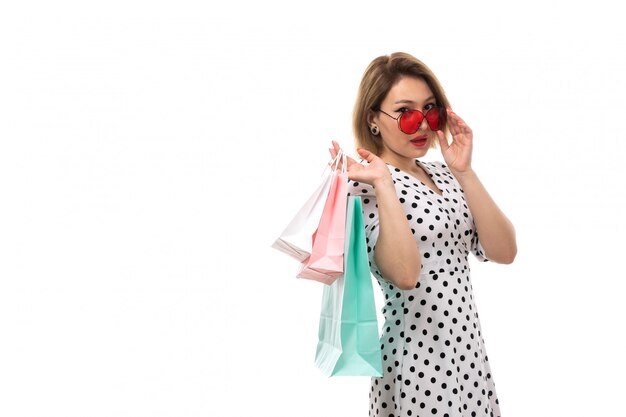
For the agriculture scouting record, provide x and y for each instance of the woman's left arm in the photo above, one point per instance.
(495, 231)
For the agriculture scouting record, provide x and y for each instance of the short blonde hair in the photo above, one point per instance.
(379, 77)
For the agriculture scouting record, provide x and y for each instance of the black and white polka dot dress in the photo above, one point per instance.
(434, 358)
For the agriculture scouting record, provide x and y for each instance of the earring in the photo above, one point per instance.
(374, 129)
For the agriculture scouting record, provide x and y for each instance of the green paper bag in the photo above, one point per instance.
(348, 330)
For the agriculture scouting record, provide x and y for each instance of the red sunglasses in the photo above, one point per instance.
(410, 121)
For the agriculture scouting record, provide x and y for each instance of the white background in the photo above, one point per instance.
(150, 153)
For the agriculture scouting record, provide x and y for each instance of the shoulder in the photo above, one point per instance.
(437, 165)
(440, 170)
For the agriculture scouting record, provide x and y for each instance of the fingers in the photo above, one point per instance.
(443, 142)
(365, 154)
(333, 154)
(350, 162)
(334, 150)
(452, 115)
(456, 124)
(453, 122)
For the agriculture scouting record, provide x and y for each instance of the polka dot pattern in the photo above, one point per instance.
(434, 358)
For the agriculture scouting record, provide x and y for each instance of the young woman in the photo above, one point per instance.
(422, 220)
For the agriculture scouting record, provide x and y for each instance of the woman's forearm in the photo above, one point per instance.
(397, 254)
(496, 232)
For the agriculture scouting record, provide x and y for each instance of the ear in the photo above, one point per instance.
(372, 117)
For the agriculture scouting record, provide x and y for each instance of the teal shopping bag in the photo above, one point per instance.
(348, 330)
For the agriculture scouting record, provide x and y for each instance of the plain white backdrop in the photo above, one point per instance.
(150, 153)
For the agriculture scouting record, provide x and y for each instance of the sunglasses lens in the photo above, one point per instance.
(410, 121)
(434, 118)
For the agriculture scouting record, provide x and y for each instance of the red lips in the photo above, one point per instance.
(419, 140)
(422, 137)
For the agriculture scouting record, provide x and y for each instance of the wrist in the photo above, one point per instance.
(382, 182)
(463, 176)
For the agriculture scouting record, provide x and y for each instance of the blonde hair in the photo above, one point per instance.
(379, 77)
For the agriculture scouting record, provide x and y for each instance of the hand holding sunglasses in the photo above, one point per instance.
(457, 153)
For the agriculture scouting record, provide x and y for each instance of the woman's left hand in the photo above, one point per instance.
(458, 153)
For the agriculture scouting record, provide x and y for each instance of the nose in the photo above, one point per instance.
(424, 125)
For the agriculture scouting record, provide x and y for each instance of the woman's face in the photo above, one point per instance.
(409, 93)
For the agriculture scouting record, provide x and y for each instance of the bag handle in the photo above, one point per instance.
(334, 163)
(344, 161)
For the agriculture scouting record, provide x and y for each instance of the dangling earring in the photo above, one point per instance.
(374, 129)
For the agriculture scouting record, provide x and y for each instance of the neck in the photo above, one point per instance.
(403, 163)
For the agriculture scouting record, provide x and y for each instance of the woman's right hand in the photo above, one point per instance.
(375, 171)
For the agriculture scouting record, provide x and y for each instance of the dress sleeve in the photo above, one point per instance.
(475, 247)
(470, 234)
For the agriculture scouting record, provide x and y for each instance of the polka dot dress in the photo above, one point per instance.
(434, 358)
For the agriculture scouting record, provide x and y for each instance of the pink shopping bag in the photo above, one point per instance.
(326, 261)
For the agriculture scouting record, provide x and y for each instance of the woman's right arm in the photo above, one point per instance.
(396, 252)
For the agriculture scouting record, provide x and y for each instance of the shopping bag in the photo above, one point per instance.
(348, 329)
(297, 238)
(326, 261)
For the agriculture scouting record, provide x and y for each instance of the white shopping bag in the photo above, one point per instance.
(297, 238)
